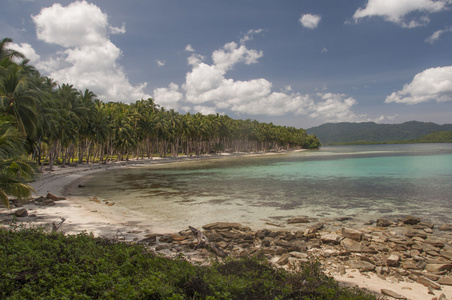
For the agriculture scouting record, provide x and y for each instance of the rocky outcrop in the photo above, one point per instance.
(403, 250)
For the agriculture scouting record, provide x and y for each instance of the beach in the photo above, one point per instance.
(103, 218)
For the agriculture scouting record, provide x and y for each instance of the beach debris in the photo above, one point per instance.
(55, 226)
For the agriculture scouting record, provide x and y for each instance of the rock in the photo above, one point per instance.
(415, 233)
(291, 246)
(428, 283)
(331, 238)
(446, 253)
(435, 242)
(424, 225)
(166, 239)
(314, 229)
(438, 267)
(295, 220)
(352, 234)
(446, 280)
(284, 259)
(360, 265)
(393, 260)
(21, 213)
(392, 294)
(408, 265)
(342, 219)
(446, 227)
(353, 246)
(384, 223)
(162, 247)
(410, 220)
(442, 297)
(54, 198)
(225, 225)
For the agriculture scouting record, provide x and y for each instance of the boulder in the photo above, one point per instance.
(352, 234)
(54, 198)
(384, 223)
(225, 225)
(410, 220)
(415, 233)
(428, 283)
(314, 229)
(331, 238)
(393, 260)
(438, 267)
(284, 259)
(360, 265)
(446, 253)
(446, 227)
(392, 294)
(21, 213)
(446, 280)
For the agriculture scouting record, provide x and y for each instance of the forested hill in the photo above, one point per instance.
(336, 133)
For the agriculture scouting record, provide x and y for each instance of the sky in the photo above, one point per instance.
(289, 62)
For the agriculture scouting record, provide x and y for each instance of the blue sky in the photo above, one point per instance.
(295, 63)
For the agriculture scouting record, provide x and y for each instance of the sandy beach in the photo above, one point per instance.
(109, 220)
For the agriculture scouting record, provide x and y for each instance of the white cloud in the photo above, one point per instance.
(118, 30)
(89, 58)
(26, 50)
(207, 89)
(170, 97)
(310, 21)
(433, 84)
(189, 48)
(231, 54)
(249, 35)
(397, 11)
(160, 63)
(324, 51)
(437, 34)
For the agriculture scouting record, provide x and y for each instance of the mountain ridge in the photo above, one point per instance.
(347, 132)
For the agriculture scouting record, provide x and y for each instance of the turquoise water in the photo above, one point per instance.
(362, 182)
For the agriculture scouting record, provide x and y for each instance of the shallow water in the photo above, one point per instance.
(362, 182)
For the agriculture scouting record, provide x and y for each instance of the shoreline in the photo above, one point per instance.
(87, 214)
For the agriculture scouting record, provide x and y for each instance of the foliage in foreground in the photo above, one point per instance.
(36, 265)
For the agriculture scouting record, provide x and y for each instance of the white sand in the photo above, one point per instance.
(84, 214)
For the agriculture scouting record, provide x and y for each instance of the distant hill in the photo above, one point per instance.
(337, 133)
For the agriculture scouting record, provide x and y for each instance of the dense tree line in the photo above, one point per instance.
(44, 123)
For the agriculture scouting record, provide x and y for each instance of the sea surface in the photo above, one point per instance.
(361, 182)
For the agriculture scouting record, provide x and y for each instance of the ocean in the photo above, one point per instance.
(360, 182)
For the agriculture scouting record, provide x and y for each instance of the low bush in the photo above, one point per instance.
(37, 265)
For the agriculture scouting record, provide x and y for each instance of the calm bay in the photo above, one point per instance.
(361, 182)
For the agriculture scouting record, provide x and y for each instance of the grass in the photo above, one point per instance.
(37, 265)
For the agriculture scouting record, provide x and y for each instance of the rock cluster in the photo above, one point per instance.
(407, 249)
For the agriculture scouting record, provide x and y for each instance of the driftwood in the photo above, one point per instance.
(203, 241)
(55, 227)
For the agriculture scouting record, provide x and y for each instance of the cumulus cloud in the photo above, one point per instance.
(160, 63)
(89, 58)
(170, 97)
(207, 89)
(433, 84)
(189, 48)
(310, 21)
(437, 34)
(26, 50)
(399, 11)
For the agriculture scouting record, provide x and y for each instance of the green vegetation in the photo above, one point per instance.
(371, 133)
(47, 123)
(35, 265)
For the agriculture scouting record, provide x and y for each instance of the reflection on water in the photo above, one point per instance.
(365, 182)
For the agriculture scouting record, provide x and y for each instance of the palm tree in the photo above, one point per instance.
(15, 170)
